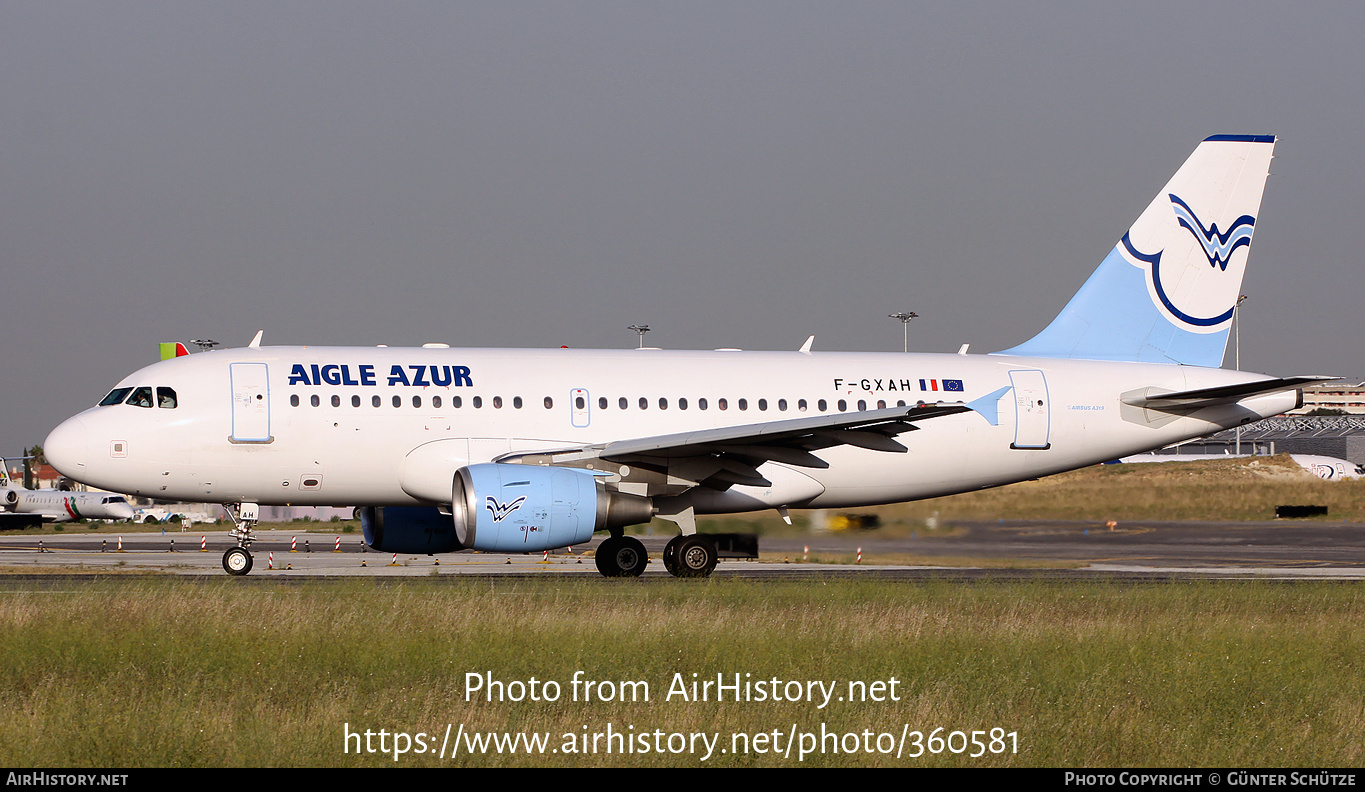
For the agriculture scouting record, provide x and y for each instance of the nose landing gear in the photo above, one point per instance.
(237, 560)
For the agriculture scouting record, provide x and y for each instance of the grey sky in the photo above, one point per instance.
(732, 173)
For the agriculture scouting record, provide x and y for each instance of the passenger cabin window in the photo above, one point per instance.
(142, 397)
(294, 400)
(165, 398)
(436, 402)
(116, 396)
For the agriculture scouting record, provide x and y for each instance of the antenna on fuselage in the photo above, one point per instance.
(641, 329)
(204, 344)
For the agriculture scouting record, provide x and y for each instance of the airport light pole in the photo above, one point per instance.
(641, 329)
(904, 317)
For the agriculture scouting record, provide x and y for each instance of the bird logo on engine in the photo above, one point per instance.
(501, 510)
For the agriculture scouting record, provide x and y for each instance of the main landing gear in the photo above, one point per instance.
(237, 560)
(690, 556)
(621, 556)
(684, 556)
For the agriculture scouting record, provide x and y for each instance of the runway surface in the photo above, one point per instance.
(1007, 550)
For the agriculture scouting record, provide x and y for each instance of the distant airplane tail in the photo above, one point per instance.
(1168, 290)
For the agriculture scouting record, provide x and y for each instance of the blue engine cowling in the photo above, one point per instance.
(524, 508)
(509, 509)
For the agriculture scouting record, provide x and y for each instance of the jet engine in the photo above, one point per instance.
(408, 529)
(515, 508)
(509, 509)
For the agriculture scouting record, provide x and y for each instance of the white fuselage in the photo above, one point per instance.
(363, 425)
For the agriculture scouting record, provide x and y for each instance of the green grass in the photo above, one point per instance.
(135, 672)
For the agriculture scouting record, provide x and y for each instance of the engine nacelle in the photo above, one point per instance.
(523, 508)
(507, 509)
(10, 500)
(408, 529)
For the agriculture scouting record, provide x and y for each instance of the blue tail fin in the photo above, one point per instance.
(1167, 291)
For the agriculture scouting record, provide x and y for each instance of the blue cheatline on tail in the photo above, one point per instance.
(1167, 292)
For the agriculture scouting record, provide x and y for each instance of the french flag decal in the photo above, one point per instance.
(948, 385)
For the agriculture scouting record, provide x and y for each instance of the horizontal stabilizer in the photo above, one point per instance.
(988, 406)
(1223, 394)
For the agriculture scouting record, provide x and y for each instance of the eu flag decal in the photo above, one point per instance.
(952, 385)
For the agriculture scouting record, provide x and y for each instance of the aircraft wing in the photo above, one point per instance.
(1209, 397)
(731, 455)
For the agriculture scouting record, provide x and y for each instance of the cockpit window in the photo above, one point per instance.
(116, 396)
(115, 499)
(165, 398)
(142, 397)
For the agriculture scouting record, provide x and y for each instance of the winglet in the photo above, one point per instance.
(805, 348)
(988, 406)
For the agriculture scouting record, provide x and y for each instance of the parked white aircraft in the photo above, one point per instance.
(59, 505)
(1327, 468)
(532, 449)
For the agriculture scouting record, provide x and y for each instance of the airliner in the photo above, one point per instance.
(1327, 468)
(59, 505)
(517, 450)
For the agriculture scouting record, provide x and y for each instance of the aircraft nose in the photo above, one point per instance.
(67, 448)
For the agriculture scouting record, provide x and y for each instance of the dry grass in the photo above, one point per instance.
(1217, 490)
(140, 673)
